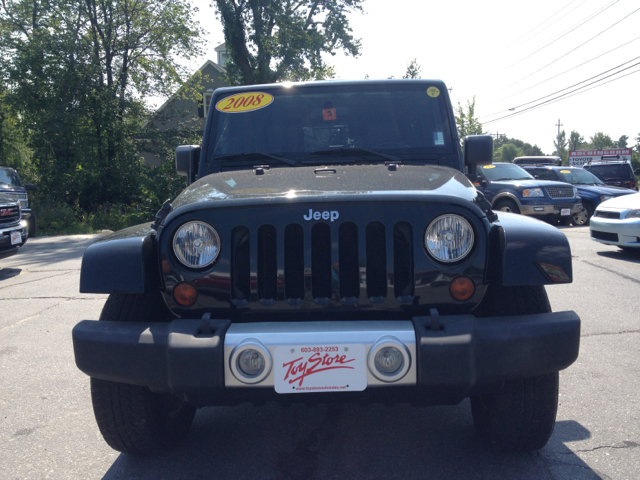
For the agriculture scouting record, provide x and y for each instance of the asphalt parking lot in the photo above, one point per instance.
(47, 429)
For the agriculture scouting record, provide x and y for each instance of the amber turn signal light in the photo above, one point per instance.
(462, 288)
(185, 294)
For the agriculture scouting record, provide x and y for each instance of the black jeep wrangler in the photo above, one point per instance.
(329, 248)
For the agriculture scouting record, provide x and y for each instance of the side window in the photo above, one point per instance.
(544, 174)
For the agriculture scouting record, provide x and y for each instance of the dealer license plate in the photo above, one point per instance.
(16, 238)
(320, 368)
(565, 211)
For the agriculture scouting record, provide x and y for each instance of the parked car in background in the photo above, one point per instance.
(510, 188)
(539, 160)
(591, 189)
(12, 187)
(617, 173)
(13, 230)
(617, 222)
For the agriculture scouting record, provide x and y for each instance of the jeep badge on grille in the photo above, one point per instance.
(326, 215)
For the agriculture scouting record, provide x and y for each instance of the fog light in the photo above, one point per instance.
(462, 288)
(389, 359)
(251, 362)
(185, 294)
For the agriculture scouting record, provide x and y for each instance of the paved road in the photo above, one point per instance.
(47, 428)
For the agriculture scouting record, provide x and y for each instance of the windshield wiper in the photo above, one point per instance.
(355, 151)
(257, 154)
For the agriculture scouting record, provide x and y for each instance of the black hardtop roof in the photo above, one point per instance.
(325, 83)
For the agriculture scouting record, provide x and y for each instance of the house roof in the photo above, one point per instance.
(206, 64)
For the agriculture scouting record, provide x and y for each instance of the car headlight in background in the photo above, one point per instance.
(532, 192)
(633, 214)
(605, 197)
(196, 244)
(449, 238)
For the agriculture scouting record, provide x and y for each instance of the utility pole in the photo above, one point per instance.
(558, 140)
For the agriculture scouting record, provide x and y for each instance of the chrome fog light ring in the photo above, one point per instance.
(244, 348)
(390, 344)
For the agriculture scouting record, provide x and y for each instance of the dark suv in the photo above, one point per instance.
(616, 173)
(510, 188)
(11, 186)
(591, 189)
(328, 248)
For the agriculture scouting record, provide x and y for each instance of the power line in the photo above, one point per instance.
(540, 24)
(562, 90)
(569, 94)
(571, 29)
(583, 44)
(555, 76)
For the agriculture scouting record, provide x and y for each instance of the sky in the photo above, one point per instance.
(505, 53)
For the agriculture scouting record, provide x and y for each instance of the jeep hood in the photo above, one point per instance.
(336, 181)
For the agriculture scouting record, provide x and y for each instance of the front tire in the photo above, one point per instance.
(521, 415)
(132, 418)
(506, 205)
(581, 219)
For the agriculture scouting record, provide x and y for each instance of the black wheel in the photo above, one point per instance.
(32, 225)
(506, 205)
(132, 418)
(581, 218)
(522, 414)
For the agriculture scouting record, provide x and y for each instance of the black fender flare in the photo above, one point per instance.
(123, 262)
(524, 250)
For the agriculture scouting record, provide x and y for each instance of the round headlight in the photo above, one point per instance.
(449, 238)
(196, 244)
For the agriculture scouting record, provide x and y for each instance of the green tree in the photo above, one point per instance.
(77, 73)
(275, 40)
(561, 147)
(622, 142)
(576, 141)
(507, 152)
(601, 140)
(413, 69)
(466, 120)
(14, 151)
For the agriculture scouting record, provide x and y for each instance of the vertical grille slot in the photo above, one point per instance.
(267, 263)
(348, 263)
(294, 262)
(240, 265)
(321, 261)
(403, 259)
(376, 262)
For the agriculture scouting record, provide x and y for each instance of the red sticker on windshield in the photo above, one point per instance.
(329, 114)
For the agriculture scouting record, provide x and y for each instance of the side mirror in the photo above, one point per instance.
(478, 150)
(29, 186)
(187, 161)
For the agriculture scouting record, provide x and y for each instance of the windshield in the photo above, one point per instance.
(10, 177)
(610, 171)
(399, 119)
(579, 177)
(505, 171)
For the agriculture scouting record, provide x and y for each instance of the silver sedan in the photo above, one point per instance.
(617, 222)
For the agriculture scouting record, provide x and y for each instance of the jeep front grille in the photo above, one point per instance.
(560, 192)
(353, 245)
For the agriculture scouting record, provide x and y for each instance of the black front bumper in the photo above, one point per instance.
(460, 356)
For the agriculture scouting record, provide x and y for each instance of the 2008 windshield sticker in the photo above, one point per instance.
(244, 102)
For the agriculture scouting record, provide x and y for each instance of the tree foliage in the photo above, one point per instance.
(276, 40)
(466, 120)
(601, 140)
(77, 73)
(413, 69)
(561, 144)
